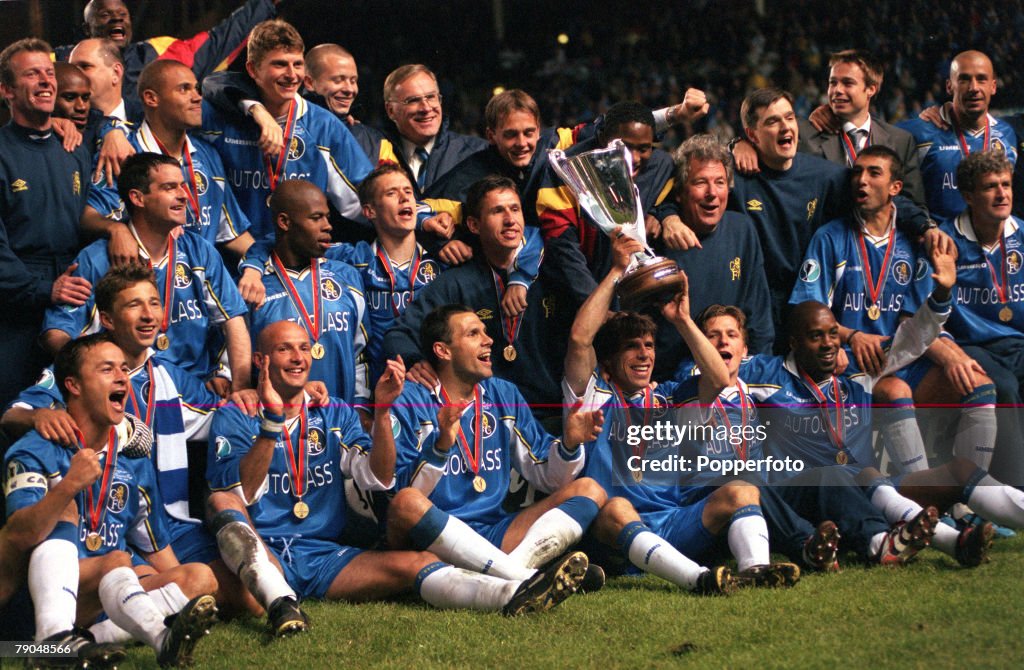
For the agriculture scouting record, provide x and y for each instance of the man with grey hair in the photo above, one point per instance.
(726, 266)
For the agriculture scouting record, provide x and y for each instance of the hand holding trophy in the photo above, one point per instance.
(602, 183)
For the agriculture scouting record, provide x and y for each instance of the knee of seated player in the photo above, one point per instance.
(736, 495)
(114, 560)
(615, 515)
(588, 488)
(406, 509)
(196, 579)
(867, 475)
(890, 389)
(961, 469)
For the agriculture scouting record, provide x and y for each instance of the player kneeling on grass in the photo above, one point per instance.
(121, 508)
(458, 444)
(609, 365)
(290, 477)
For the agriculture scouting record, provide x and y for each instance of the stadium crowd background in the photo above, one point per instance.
(650, 52)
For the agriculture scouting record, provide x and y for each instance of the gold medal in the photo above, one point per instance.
(841, 458)
(300, 510)
(317, 350)
(874, 312)
(638, 476)
(510, 353)
(93, 541)
(162, 342)
(479, 484)
(1006, 314)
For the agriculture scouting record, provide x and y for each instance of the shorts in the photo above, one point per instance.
(494, 533)
(310, 566)
(683, 527)
(915, 372)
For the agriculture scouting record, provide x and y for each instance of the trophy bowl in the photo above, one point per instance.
(602, 182)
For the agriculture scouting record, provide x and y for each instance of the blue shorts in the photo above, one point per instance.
(915, 372)
(192, 543)
(310, 566)
(494, 533)
(683, 527)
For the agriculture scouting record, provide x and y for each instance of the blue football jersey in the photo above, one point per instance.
(130, 514)
(834, 273)
(940, 153)
(510, 438)
(321, 151)
(203, 296)
(219, 218)
(344, 322)
(980, 274)
(335, 445)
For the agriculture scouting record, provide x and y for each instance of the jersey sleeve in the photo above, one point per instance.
(80, 320)
(526, 265)
(817, 277)
(232, 221)
(231, 437)
(347, 166)
(539, 457)
(44, 394)
(355, 449)
(417, 464)
(26, 476)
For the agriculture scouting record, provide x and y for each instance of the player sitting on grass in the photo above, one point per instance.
(287, 467)
(121, 508)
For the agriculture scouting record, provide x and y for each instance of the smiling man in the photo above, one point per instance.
(727, 267)
(317, 146)
(967, 128)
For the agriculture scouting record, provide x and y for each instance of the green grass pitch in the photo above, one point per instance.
(931, 614)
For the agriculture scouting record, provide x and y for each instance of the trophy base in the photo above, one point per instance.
(651, 284)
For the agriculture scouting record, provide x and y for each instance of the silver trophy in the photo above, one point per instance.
(603, 185)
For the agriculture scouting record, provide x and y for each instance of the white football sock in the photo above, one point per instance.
(547, 539)
(903, 440)
(170, 599)
(449, 587)
(976, 435)
(655, 555)
(945, 539)
(245, 555)
(997, 502)
(462, 546)
(53, 583)
(893, 506)
(876, 544)
(130, 607)
(748, 541)
(108, 631)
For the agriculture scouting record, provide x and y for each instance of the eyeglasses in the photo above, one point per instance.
(430, 100)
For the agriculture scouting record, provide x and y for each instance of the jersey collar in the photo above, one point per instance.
(965, 227)
(148, 140)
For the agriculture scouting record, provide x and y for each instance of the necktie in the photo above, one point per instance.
(421, 174)
(860, 139)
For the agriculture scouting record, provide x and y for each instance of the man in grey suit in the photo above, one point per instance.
(847, 125)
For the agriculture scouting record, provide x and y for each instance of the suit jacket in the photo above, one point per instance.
(829, 146)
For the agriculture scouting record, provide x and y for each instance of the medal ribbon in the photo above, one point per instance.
(962, 140)
(1000, 283)
(93, 511)
(509, 326)
(172, 255)
(620, 399)
(741, 450)
(835, 430)
(875, 287)
(273, 174)
(297, 461)
(149, 395)
(193, 192)
(472, 458)
(851, 150)
(393, 280)
(313, 326)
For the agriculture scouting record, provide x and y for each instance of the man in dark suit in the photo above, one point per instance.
(854, 78)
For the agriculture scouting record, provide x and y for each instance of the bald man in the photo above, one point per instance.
(100, 60)
(323, 296)
(967, 127)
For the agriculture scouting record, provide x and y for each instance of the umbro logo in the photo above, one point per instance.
(19, 185)
(484, 314)
(755, 205)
